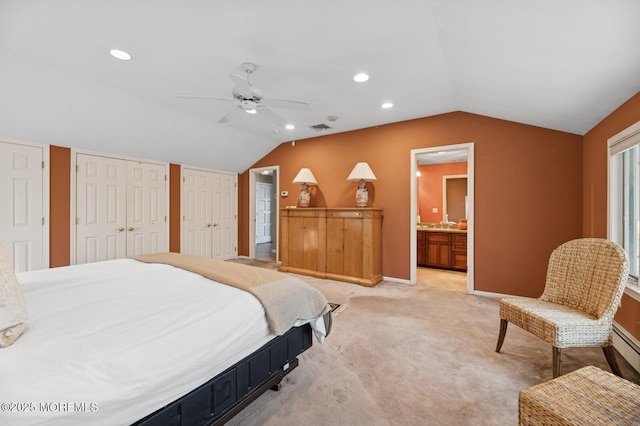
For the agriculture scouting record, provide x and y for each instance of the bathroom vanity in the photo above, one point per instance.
(444, 248)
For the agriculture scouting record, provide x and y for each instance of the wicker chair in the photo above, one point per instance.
(585, 281)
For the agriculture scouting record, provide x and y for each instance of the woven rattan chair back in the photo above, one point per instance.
(588, 274)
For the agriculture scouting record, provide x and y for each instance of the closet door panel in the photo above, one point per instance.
(101, 210)
(196, 213)
(223, 208)
(21, 209)
(146, 209)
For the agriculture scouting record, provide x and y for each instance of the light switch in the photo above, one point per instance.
(434, 210)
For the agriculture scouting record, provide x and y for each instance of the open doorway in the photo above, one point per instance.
(263, 213)
(438, 217)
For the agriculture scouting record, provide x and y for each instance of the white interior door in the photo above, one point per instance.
(101, 208)
(196, 213)
(146, 208)
(264, 195)
(22, 209)
(121, 208)
(209, 221)
(223, 210)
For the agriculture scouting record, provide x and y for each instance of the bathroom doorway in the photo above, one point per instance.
(437, 216)
(263, 213)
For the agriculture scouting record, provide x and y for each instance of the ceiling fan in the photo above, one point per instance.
(251, 100)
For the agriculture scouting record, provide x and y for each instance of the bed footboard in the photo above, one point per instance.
(225, 395)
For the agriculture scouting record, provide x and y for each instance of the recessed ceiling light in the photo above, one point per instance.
(251, 111)
(387, 105)
(120, 54)
(361, 78)
(290, 127)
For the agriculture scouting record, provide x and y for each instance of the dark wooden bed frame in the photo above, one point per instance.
(225, 395)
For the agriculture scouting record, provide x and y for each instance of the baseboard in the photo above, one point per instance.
(493, 295)
(627, 345)
(397, 280)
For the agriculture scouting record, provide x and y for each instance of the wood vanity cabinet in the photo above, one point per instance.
(439, 249)
(421, 243)
(445, 250)
(346, 243)
(459, 251)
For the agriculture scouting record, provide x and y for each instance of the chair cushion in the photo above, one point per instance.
(13, 311)
(561, 326)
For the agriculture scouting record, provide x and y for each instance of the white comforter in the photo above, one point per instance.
(110, 342)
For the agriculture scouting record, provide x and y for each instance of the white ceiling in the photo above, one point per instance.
(563, 65)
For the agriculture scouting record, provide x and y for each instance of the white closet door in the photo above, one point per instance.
(101, 208)
(264, 196)
(224, 215)
(196, 213)
(146, 208)
(21, 208)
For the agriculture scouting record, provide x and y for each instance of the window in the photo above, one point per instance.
(624, 195)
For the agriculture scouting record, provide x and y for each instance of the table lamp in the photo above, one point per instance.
(362, 173)
(306, 178)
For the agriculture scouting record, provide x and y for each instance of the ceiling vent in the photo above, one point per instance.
(320, 127)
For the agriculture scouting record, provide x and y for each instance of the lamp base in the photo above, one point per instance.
(362, 197)
(305, 197)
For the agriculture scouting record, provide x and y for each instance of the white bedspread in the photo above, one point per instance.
(92, 355)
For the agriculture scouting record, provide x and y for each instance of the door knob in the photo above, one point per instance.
(121, 229)
(215, 224)
(209, 225)
(131, 228)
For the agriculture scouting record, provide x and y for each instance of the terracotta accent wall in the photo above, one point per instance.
(430, 188)
(243, 214)
(596, 157)
(174, 208)
(528, 190)
(59, 206)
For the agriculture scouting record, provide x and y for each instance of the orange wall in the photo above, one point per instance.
(59, 206)
(430, 188)
(528, 183)
(596, 159)
(174, 208)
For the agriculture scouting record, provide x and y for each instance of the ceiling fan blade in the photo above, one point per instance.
(272, 116)
(232, 113)
(241, 86)
(281, 103)
(215, 98)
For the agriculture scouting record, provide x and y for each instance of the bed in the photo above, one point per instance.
(129, 341)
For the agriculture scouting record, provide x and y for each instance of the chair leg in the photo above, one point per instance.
(503, 331)
(611, 359)
(557, 362)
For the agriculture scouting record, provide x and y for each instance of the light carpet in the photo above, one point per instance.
(413, 355)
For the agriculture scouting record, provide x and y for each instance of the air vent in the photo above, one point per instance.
(320, 127)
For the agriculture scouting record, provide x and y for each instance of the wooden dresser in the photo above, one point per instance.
(337, 243)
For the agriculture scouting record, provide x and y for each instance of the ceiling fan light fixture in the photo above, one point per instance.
(120, 54)
(251, 111)
(361, 78)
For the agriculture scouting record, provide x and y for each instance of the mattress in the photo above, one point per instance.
(110, 342)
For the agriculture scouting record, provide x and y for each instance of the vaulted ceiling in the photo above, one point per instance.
(562, 65)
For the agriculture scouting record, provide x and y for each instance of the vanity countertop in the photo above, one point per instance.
(432, 229)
